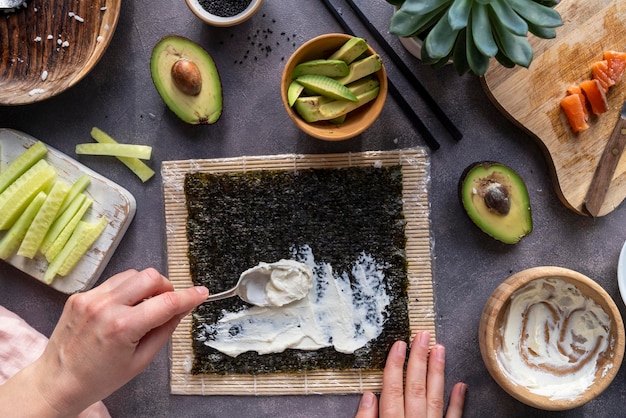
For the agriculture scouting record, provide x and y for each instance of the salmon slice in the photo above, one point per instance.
(602, 73)
(575, 112)
(595, 95)
(617, 64)
(575, 89)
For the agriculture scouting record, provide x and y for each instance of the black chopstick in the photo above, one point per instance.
(406, 71)
(406, 108)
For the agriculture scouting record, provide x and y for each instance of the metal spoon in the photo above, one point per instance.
(251, 286)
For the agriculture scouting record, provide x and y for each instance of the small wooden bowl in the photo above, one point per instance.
(220, 21)
(356, 121)
(490, 336)
(50, 49)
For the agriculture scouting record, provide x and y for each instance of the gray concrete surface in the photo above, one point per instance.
(119, 97)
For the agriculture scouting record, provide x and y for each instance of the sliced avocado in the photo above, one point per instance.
(351, 50)
(187, 79)
(326, 86)
(362, 68)
(329, 68)
(317, 108)
(293, 92)
(496, 200)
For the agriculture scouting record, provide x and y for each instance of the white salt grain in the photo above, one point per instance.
(99, 39)
(44, 75)
(35, 91)
(37, 39)
(65, 44)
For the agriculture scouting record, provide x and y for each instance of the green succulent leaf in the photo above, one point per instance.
(407, 25)
(484, 1)
(504, 60)
(478, 62)
(536, 14)
(515, 47)
(548, 3)
(421, 7)
(459, 57)
(502, 14)
(396, 3)
(440, 39)
(542, 31)
(459, 12)
(481, 31)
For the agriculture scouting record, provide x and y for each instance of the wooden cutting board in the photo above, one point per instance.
(530, 97)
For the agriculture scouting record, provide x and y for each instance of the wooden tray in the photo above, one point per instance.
(530, 97)
(27, 56)
(109, 199)
(415, 168)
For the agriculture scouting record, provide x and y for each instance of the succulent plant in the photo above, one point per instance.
(471, 32)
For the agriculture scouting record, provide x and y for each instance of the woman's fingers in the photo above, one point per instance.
(435, 379)
(457, 400)
(392, 396)
(368, 407)
(416, 383)
(160, 309)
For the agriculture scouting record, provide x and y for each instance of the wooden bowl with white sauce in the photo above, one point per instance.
(551, 337)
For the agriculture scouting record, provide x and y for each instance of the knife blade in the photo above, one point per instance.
(606, 166)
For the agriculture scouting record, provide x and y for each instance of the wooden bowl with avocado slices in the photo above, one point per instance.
(334, 86)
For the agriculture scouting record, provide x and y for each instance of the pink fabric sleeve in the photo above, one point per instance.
(20, 345)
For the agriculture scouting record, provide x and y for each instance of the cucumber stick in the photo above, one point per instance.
(137, 166)
(143, 152)
(77, 188)
(68, 229)
(82, 238)
(61, 221)
(43, 220)
(19, 166)
(13, 237)
(16, 197)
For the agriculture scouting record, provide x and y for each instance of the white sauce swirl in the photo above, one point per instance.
(552, 337)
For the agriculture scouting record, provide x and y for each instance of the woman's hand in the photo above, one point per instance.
(422, 395)
(104, 338)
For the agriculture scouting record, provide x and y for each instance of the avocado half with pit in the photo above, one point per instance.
(496, 200)
(186, 77)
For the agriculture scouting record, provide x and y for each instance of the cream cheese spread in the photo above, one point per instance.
(287, 281)
(335, 313)
(552, 336)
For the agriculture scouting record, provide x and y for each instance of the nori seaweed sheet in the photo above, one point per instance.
(237, 220)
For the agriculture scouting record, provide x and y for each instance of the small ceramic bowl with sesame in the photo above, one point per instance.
(325, 116)
(224, 12)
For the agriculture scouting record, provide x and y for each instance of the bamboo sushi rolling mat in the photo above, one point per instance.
(415, 173)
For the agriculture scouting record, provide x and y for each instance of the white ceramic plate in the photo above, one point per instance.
(109, 199)
(621, 273)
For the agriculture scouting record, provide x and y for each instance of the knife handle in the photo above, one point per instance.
(606, 168)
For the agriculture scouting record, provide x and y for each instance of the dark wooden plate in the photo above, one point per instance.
(49, 46)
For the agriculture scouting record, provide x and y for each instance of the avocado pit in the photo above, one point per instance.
(186, 76)
(496, 197)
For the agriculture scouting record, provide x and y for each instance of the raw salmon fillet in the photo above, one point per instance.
(595, 95)
(575, 112)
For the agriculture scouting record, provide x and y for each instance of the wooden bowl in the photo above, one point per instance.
(491, 340)
(221, 21)
(48, 47)
(356, 121)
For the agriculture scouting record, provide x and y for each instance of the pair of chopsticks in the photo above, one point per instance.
(406, 108)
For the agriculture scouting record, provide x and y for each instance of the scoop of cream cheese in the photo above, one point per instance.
(337, 313)
(287, 281)
(552, 336)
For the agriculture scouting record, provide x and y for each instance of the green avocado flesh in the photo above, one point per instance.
(203, 106)
(496, 200)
